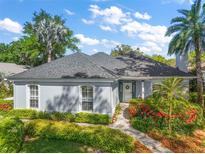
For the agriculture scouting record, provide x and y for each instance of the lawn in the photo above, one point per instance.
(39, 145)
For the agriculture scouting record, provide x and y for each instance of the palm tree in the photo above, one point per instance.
(49, 32)
(188, 33)
(171, 97)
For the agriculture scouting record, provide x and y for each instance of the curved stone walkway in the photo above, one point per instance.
(123, 124)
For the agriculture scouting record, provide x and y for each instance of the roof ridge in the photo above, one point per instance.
(105, 70)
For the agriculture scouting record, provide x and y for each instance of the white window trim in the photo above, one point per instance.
(28, 97)
(81, 98)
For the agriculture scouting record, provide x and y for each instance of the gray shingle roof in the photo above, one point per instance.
(8, 69)
(100, 65)
(77, 65)
(141, 66)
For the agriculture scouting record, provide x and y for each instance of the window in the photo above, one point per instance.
(34, 96)
(87, 98)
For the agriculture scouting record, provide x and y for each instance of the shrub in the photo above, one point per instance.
(11, 135)
(104, 138)
(132, 110)
(6, 90)
(143, 124)
(22, 113)
(117, 112)
(92, 118)
(136, 101)
(2, 101)
(193, 97)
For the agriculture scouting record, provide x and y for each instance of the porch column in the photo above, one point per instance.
(142, 89)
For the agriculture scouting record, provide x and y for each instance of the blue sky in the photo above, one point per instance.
(99, 24)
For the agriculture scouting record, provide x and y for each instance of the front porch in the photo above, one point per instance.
(129, 89)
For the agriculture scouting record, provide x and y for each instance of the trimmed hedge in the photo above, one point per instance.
(2, 101)
(92, 118)
(81, 117)
(11, 135)
(101, 137)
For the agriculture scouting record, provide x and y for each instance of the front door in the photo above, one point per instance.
(127, 91)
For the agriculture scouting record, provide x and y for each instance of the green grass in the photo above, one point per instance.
(39, 145)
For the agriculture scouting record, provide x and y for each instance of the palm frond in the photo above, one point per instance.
(179, 19)
(184, 12)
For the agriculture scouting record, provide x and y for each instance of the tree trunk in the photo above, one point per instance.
(49, 57)
(200, 98)
(49, 51)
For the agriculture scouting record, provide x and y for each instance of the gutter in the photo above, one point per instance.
(156, 77)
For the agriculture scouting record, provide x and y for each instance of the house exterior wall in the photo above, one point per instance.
(19, 96)
(115, 93)
(66, 97)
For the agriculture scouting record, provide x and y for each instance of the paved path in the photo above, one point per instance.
(123, 124)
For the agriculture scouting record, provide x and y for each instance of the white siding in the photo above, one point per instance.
(66, 97)
(19, 96)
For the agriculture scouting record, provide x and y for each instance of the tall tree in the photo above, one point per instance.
(121, 50)
(52, 34)
(161, 59)
(188, 33)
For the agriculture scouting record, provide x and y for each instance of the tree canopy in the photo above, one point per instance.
(188, 35)
(31, 50)
(123, 49)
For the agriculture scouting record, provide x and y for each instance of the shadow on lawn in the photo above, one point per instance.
(39, 145)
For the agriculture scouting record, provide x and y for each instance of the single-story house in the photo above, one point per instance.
(83, 83)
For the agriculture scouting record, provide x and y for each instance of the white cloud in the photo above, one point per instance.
(153, 37)
(88, 22)
(144, 16)
(10, 25)
(70, 13)
(93, 41)
(109, 43)
(15, 38)
(106, 28)
(93, 45)
(112, 15)
(95, 51)
(177, 1)
(87, 40)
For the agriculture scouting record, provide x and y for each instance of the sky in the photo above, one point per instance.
(100, 25)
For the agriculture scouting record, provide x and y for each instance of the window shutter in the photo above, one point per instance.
(133, 89)
(120, 91)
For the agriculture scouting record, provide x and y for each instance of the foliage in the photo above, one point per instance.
(22, 113)
(188, 35)
(52, 34)
(143, 125)
(121, 50)
(92, 118)
(54, 146)
(57, 116)
(161, 59)
(184, 117)
(192, 59)
(6, 90)
(193, 97)
(28, 50)
(104, 138)
(2, 101)
(117, 112)
(11, 135)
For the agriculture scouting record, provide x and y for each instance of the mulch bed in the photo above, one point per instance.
(183, 144)
(140, 148)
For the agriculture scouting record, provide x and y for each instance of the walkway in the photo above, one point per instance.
(123, 124)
